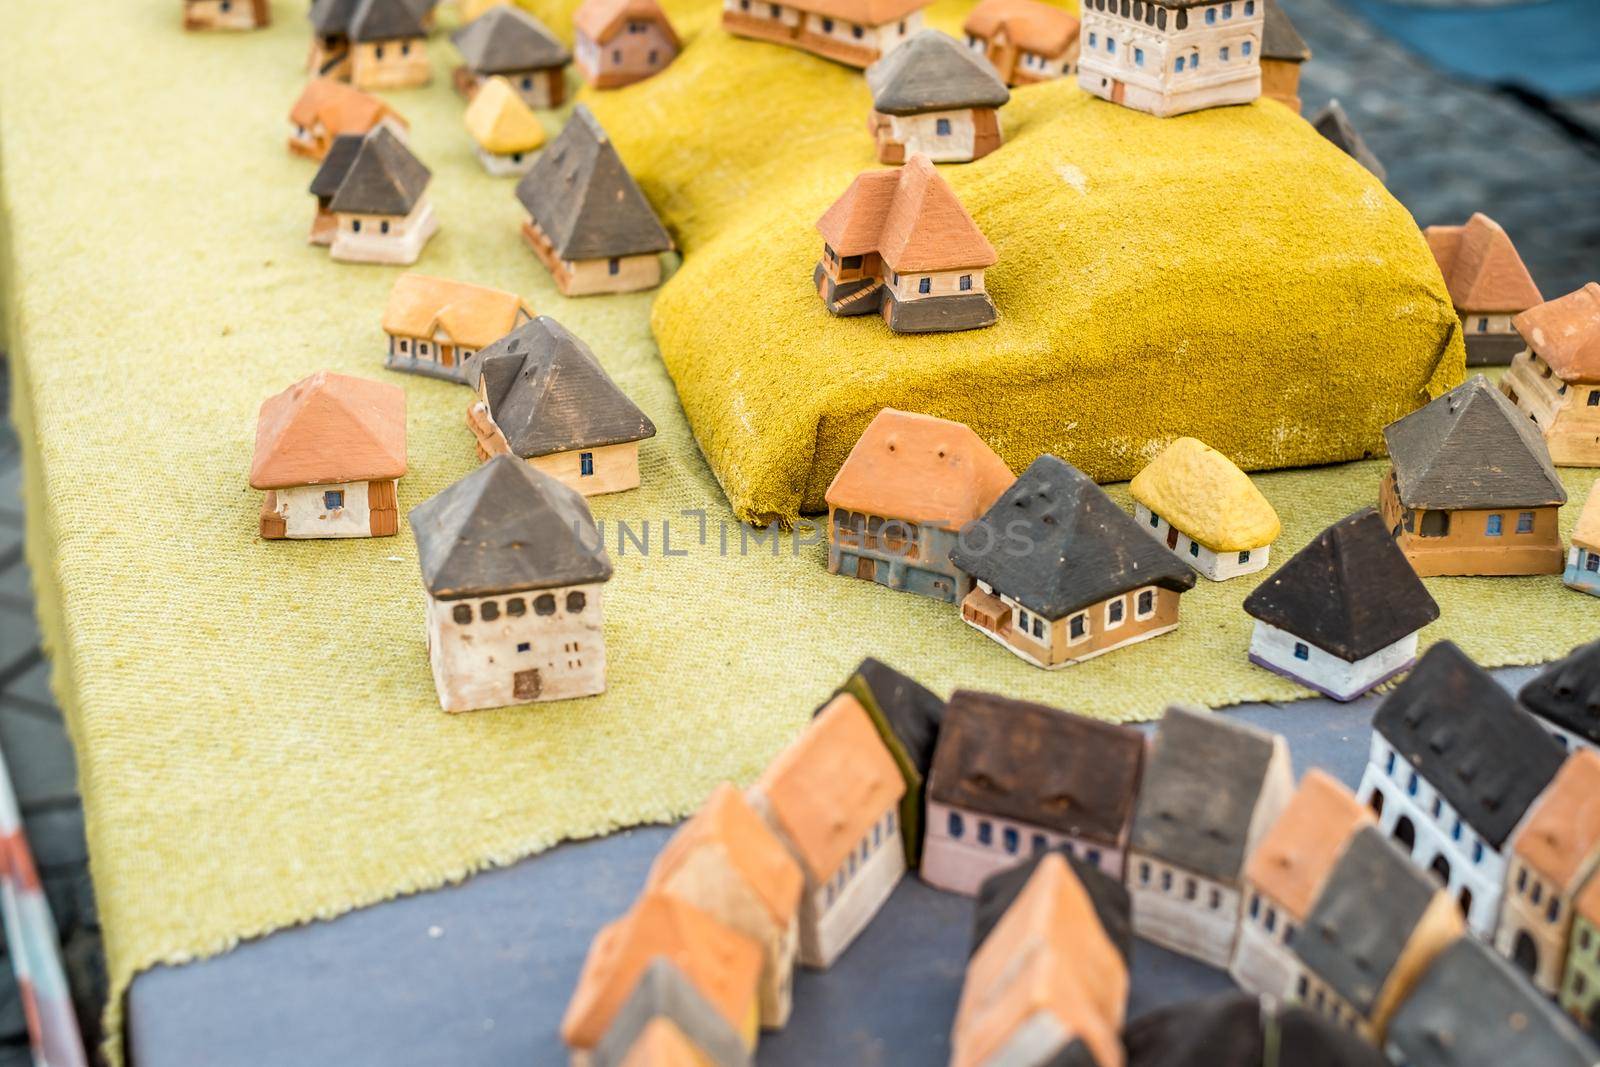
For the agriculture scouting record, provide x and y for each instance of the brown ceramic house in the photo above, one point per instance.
(856, 33)
(226, 14)
(1027, 40)
(328, 108)
(1488, 284)
(1555, 381)
(1283, 50)
(620, 42)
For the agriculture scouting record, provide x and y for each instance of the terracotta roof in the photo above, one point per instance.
(863, 12)
(1279, 39)
(1047, 980)
(507, 40)
(501, 121)
(1567, 693)
(664, 993)
(921, 469)
(1200, 491)
(910, 711)
(340, 108)
(1107, 895)
(1481, 267)
(933, 72)
(384, 178)
(663, 1045)
(725, 966)
(1298, 853)
(1561, 832)
(1587, 530)
(726, 822)
(1565, 333)
(330, 428)
(600, 20)
(1033, 25)
(473, 316)
(830, 785)
(910, 216)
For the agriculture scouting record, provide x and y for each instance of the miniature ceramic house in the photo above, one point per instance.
(1283, 50)
(1090, 580)
(1553, 852)
(1212, 788)
(329, 56)
(1583, 558)
(898, 504)
(1580, 983)
(329, 450)
(226, 14)
(556, 407)
(507, 42)
(1107, 895)
(664, 1014)
(721, 964)
(1169, 57)
(1565, 698)
(1240, 1030)
(1471, 1010)
(620, 42)
(380, 206)
(1376, 925)
(1012, 778)
(1488, 284)
(1283, 877)
(435, 324)
(1027, 41)
(1342, 615)
(1335, 126)
(935, 97)
(1454, 765)
(513, 567)
(1195, 501)
(1470, 489)
(856, 33)
(389, 45)
(1047, 979)
(342, 153)
(327, 109)
(898, 242)
(833, 797)
(504, 128)
(588, 221)
(1555, 381)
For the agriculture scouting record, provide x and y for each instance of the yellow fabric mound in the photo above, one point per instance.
(1201, 492)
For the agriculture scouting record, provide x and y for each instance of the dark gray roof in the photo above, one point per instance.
(1351, 591)
(1202, 782)
(1363, 918)
(911, 711)
(382, 20)
(1465, 736)
(1110, 899)
(1472, 1009)
(548, 393)
(1306, 1039)
(1335, 125)
(506, 39)
(331, 18)
(1471, 448)
(383, 179)
(1567, 693)
(1080, 547)
(934, 72)
(1076, 1054)
(1238, 1030)
(663, 991)
(1279, 39)
(335, 165)
(504, 528)
(584, 199)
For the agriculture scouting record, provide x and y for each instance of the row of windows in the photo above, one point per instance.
(1152, 14)
(405, 50)
(1266, 914)
(1533, 890)
(882, 829)
(1194, 546)
(653, 58)
(1010, 837)
(1191, 885)
(925, 285)
(1437, 523)
(1191, 61)
(1398, 770)
(543, 604)
(425, 349)
(1325, 1003)
(355, 226)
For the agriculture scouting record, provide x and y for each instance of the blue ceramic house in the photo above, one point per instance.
(1583, 558)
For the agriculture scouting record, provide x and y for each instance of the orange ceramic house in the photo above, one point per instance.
(1028, 41)
(1283, 50)
(226, 14)
(1555, 381)
(434, 324)
(1488, 283)
(327, 108)
(620, 42)
(856, 33)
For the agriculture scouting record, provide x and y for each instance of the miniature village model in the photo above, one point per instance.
(898, 242)
(1283, 51)
(1195, 501)
(1169, 57)
(1471, 489)
(513, 567)
(329, 450)
(372, 202)
(1027, 41)
(434, 324)
(327, 109)
(588, 221)
(1488, 284)
(620, 42)
(667, 1020)
(1583, 558)
(1555, 381)
(898, 504)
(1565, 698)
(856, 33)
(1342, 615)
(1336, 128)
(504, 128)
(226, 14)
(548, 399)
(373, 44)
(507, 42)
(935, 97)
(1063, 574)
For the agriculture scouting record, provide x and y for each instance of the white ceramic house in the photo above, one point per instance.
(1194, 500)
(1168, 57)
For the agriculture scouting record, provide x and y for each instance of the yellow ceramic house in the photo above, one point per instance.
(1193, 499)
(507, 132)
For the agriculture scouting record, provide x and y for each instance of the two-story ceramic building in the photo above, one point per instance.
(1169, 57)
(1555, 380)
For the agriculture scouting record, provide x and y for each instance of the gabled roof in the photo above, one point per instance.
(331, 18)
(1481, 267)
(1038, 27)
(1350, 591)
(919, 469)
(663, 994)
(505, 528)
(830, 785)
(863, 12)
(1048, 983)
(1201, 492)
(385, 178)
(473, 316)
(932, 71)
(1471, 1008)
(382, 20)
(1298, 853)
(507, 40)
(911, 712)
(1586, 531)
(1335, 125)
(1036, 765)
(1567, 693)
(500, 120)
(1202, 784)
(1107, 895)
(728, 824)
(548, 393)
(661, 1044)
(910, 216)
(335, 165)
(601, 20)
(1082, 547)
(329, 428)
(1279, 39)
(1561, 834)
(1470, 449)
(583, 198)
(1565, 333)
(340, 108)
(1465, 736)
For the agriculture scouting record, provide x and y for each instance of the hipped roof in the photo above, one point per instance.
(1561, 834)
(332, 17)
(600, 20)
(382, 20)
(910, 216)
(664, 995)
(473, 316)
(728, 824)
(934, 72)
(1299, 851)
(385, 178)
(1201, 492)
(340, 108)
(1038, 27)
(335, 165)
(505, 40)
(1567, 693)
(1565, 333)
(1279, 38)
(330, 428)
(501, 121)
(1481, 267)
(919, 469)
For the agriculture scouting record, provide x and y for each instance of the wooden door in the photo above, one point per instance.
(1172, 537)
(1119, 90)
(867, 568)
(526, 685)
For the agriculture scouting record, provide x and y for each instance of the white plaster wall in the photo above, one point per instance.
(961, 865)
(1157, 86)
(474, 664)
(506, 166)
(827, 929)
(1262, 961)
(1201, 928)
(1218, 566)
(920, 133)
(304, 515)
(402, 244)
(1471, 323)
(1322, 670)
(1039, 1037)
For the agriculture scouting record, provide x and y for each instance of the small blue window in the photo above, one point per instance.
(527, 83)
(1178, 66)
(1524, 522)
(1455, 831)
(1194, 61)
(1411, 785)
(1244, 557)
(966, 279)
(1094, 40)
(1111, 45)
(1492, 528)
(1040, 843)
(1138, 57)
(333, 499)
(1246, 48)
(827, 25)
(1388, 767)
(1222, 53)
(1249, 8)
(585, 464)
(985, 832)
(857, 32)
(1038, 627)
(613, 265)
(956, 825)
(1093, 856)
(1211, 16)
(1272, 919)
(1194, 548)
(1594, 398)
(1227, 11)
(942, 127)
(1255, 906)
(1155, 520)
(1012, 839)
(523, 646)
(1591, 562)
(1303, 651)
(925, 285)
(1477, 852)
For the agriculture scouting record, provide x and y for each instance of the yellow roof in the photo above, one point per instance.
(501, 121)
(1587, 531)
(472, 316)
(1201, 492)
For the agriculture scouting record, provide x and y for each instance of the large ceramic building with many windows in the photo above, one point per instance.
(1169, 57)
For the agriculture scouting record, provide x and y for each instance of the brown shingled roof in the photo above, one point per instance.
(1481, 267)
(920, 469)
(910, 216)
(330, 428)
(1561, 832)
(728, 823)
(1565, 333)
(1033, 25)
(1299, 852)
(599, 20)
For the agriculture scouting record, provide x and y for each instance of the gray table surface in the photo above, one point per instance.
(480, 973)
